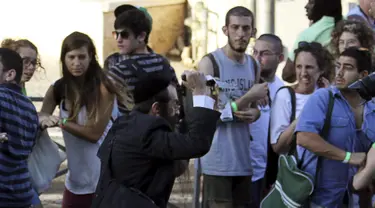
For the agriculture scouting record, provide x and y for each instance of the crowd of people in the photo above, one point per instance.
(130, 131)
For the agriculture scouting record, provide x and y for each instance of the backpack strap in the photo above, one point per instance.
(327, 121)
(214, 65)
(273, 157)
(325, 129)
(293, 101)
(255, 67)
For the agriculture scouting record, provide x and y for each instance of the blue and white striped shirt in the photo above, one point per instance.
(19, 119)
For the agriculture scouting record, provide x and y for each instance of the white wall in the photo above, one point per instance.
(46, 23)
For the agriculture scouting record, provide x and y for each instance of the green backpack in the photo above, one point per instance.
(293, 186)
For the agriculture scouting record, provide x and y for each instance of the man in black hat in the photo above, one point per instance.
(145, 147)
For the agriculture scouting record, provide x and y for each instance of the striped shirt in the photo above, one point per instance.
(19, 119)
(116, 58)
(123, 72)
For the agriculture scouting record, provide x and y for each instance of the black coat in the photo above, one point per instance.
(145, 149)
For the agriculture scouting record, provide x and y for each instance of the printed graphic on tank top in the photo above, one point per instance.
(230, 153)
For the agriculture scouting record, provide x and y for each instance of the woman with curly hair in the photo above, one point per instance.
(349, 33)
(313, 61)
(30, 57)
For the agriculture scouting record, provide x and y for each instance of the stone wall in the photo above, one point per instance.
(168, 24)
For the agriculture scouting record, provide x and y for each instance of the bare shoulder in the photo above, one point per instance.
(105, 93)
(205, 66)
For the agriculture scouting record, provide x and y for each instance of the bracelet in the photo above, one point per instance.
(347, 157)
(373, 145)
(234, 106)
(62, 122)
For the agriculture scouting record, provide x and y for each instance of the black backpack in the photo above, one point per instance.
(273, 157)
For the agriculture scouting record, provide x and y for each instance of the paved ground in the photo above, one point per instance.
(182, 194)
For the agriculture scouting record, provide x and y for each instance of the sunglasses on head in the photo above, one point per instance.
(121, 33)
(305, 44)
(364, 51)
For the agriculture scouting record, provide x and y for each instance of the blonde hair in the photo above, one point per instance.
(21, 43)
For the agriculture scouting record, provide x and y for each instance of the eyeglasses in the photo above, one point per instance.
(121, 33)
(305, 44)
(29, 61)
(264, 53)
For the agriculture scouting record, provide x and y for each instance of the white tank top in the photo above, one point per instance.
(83, 163)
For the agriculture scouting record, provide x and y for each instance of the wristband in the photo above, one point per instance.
(347, 157)
(234, 106)
(373, 145)
(62, 122)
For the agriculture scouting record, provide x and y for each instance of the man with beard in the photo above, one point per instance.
(144, 144)
(227, 166)
(268, 50)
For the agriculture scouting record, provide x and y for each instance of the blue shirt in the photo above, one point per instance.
(19, 119)
(334, 175)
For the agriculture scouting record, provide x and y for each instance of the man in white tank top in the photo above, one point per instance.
(227, 167)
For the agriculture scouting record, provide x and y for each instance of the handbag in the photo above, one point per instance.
(112, 193)
(293, 186)
(44, 162)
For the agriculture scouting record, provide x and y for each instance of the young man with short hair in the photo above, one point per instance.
(19, 120)
(227, 168)
(117, 57)
(132, 29)
(350, 135)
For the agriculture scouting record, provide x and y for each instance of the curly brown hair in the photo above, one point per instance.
(17, 44)
(323, 57)
(364, 34)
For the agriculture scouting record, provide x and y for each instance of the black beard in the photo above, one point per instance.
(266, 74)
(172, 120)
(238, 50)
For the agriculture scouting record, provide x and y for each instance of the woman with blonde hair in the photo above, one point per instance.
(30, 57)
(87, 101)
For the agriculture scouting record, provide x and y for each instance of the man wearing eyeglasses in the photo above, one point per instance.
(268, 50)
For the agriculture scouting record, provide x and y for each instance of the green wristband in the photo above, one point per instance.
(373, 145)
(63, 122)
(234, 106)
(347, 157)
